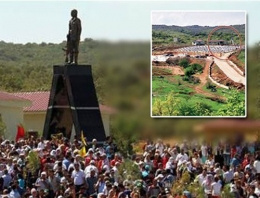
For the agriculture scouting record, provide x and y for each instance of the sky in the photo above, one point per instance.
(204, 18)
(47, 21)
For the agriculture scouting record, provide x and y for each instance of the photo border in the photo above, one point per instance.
(151, 97)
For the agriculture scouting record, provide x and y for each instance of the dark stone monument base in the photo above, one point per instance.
(73, 100)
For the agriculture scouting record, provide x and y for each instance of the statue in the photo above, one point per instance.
(73, 38)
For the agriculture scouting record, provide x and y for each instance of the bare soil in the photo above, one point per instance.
(176, 70)
(220, 77)
(238, 63)
(203, 80)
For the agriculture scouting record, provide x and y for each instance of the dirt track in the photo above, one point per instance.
(229, 71)
(203, 80)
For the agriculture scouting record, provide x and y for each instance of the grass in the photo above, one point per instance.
(163, 86)
(219, 91)
(185, 92)
(241, 56)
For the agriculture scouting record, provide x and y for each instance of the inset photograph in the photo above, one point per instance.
(198, 63)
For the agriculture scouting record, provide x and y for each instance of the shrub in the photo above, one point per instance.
(189, 71)
(191, 79)
(197, 67)
(129, 169)
(184, 62)
(210, 85)
(185, 78)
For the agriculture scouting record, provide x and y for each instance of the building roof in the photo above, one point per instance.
(7, 97)
(40, 101)
(217, 40)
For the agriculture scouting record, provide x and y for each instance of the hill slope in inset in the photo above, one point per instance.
(163, 34)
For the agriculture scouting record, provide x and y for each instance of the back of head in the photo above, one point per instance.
(74, 13)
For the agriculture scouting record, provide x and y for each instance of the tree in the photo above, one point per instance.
(157, 108)
(235, 105)
(189, 71)
(197, 67)
(33, 162)
(168, 107)
(184, 62)
(202, 109)
(128, 169)
(124, 131)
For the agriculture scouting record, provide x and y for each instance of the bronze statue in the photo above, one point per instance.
(73, 38)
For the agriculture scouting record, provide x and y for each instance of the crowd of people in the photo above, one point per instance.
(62, 171)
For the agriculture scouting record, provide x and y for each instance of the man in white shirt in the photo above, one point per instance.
(216, 187)
(257, 164)
(90, 167)
(42, 182)
(181, 157)
(78, 177)
(228, 174)
(201, 177)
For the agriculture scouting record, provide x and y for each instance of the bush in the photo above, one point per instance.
(173, 61)
(129, 169)
(197, 67)
(210, 85)
(189, 71)
(191, 79)
(184, 62)
(185, 78)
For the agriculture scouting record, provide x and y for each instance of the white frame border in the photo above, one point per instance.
(151, 67)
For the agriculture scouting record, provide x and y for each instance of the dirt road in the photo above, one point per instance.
(229, 71)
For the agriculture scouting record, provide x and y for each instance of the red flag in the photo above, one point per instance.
(20, 132)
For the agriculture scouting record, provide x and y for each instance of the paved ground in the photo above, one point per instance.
(229, 71)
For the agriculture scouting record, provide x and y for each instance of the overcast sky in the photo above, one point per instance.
(202, 18)
(47, 21)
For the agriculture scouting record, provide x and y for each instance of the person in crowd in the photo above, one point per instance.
(78, 177)
(63, 171)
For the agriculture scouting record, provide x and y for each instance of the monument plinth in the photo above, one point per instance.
(73, 101)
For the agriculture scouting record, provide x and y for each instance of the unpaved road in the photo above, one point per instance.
(229, 71)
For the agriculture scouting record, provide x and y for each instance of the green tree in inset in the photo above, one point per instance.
(184, 62)
(235, 105)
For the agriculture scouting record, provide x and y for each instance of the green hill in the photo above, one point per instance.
(122, 78)
(163, 34)
(29, 67)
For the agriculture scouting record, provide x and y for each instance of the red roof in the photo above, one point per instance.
(40, 101)
(7, 97)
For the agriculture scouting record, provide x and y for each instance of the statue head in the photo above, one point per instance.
(74, 13)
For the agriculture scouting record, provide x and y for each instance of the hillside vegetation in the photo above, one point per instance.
(122, 78)
(164, 35)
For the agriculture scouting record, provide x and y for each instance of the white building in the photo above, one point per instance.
(11, 110)
(30, 108)
(198, 42)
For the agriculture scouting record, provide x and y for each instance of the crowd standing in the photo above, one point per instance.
(64, 172)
